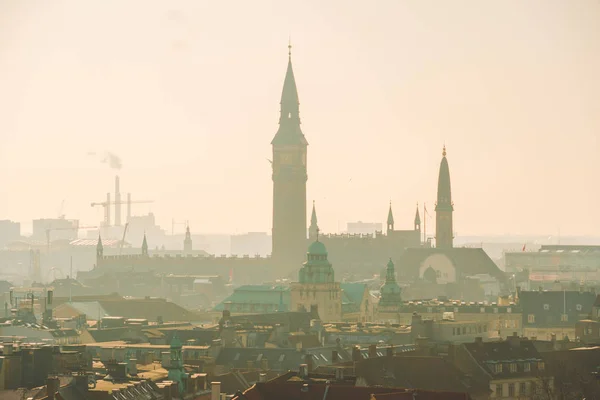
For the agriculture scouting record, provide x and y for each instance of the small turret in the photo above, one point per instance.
(390, 219)
(187, 242)
(145, 246)
(390, 290)
(417, 220)
(99, 249)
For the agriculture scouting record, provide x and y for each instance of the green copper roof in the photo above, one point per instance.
(317, 249)
(259, 294)
(175, 342)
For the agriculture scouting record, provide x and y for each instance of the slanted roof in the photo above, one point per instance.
(468, 261)
(258, 294)
(91, 309)
(352, 296)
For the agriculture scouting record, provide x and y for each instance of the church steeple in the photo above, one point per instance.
(145, 246)
(99, 249)
(314, 225)
(390, 219)
(417, 220)
(444, 207)
(390, 291)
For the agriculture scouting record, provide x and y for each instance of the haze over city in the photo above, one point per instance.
(187, 94)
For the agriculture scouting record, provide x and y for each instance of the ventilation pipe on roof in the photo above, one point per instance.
(215, 393)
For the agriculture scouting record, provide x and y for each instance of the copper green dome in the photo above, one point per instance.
(317, 249)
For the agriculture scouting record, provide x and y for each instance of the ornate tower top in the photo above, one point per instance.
(417, 217)
(390, 291)
(444, 192)
(390, 219)
(289, 132)
(317, 268)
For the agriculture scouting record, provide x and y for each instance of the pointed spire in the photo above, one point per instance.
(417, 216)
(289, 120)
(390, 218)
(145, 246)
(313, 217)
(444, 193)
(99, 246)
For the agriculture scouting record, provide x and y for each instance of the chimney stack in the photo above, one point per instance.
(373, 351)
(52, 386)
(117, 202)
(215, 393)
(334, 357)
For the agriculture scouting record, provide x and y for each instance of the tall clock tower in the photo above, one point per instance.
(444, 234)
(289, 180)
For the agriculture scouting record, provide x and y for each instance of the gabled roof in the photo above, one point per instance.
(416, 372)
(258, 294)
(468, 261)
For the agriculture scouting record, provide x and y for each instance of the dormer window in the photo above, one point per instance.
(289, 115)
(546, 307)
(498, 368)
(578, 307)
(513, 367)
(541, 366)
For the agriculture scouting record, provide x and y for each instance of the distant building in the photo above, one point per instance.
(252, 243)
(364, 228)
(57, 228)
(554, 313)
(9, 231)
(391, 295)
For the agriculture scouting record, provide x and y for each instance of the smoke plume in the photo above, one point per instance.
(112, 160)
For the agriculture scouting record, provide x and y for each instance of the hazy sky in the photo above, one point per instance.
(187, 93)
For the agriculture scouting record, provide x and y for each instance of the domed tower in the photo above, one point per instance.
(316, 285)
(444, 236)
(391, 294)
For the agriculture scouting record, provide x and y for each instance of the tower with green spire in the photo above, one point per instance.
(316, 285)
(314, 225)
(444, 234)
(391, 298)
(289, 179)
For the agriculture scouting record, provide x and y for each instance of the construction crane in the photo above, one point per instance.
(108, 203)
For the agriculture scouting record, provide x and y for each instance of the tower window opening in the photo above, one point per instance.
(289, 115)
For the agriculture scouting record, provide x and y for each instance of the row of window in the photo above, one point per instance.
(563, 318)
(466, 330)
(513, 367)
(511, 391)
(578, 307)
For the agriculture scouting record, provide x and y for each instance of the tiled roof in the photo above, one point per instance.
(352, 295)
(258, 294)
(298, 390)
(416, 372)
(469, 261)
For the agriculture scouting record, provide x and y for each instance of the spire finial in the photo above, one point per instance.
(290, 47)
(444, 151)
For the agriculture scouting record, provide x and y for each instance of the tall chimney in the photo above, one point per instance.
(215, 393)
(117, 202)
(107, 211)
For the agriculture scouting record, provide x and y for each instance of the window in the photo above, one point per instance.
(531, 318)
(429, 310)
(495, 310)
(578, 307)
(482, 310)
(509, 310)
(546, 307)
(513, 367)
(564, 317)
(533, 388)
(526, 367)
(498, 368)
(511, 389)
(464, 330)
(499, 390)
(522, 389)
(541, 366)
(455, 309)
